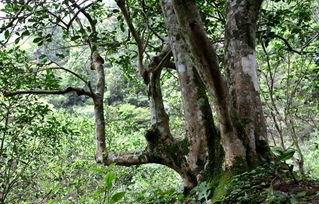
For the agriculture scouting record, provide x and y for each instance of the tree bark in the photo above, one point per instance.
(241, 69)
(239, 111)
(97, 65)
(199, 124)
(204, 56)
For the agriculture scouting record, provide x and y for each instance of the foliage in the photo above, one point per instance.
(47, 146)
(106, 189)
(202, 192)
(29, 133)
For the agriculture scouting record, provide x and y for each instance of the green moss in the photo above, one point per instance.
(223, 179)
(220, 190)
(245, 187)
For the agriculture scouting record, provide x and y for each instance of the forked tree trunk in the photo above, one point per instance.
(205, 154)
(239, 109)
(236, 99)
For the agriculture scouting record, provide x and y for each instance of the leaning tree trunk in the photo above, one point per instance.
(98, 96)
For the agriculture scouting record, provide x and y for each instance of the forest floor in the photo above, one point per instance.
(301, 191)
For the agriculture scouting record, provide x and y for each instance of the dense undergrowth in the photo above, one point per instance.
(67, 173)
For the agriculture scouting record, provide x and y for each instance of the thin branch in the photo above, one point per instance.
(57, 17)
(15, 18)
(160, 60)
(147, 22)
(88, 16)
(76, 15)
(309, 41)
(290, 48)
(79, 92)
(67, 70)
(137, 38)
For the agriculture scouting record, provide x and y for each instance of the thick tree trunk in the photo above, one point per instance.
(241, 68)
(199, 125)
(242, 126)
(204, 57)
(241, 121)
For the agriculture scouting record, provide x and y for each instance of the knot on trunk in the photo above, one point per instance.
(152, 137)
(96, 59)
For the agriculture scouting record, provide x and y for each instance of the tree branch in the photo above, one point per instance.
(137, 38)
(64, 69)
(161, 60)
(291, 49)
(15, 18)
(78, 91)
(76, 15)
(129, 158)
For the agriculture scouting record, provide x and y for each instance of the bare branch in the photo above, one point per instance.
(88, 16)
(67, 70)
(76, 15)
(78, 91)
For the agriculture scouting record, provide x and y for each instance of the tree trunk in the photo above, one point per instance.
(239, 110)
(199, 125)
(241, 69)
(97, 65)
(241, 121)
(205, 154)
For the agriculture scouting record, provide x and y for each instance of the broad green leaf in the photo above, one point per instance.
(108, 178)
(117, 196)
(288, 154)
(99, 192)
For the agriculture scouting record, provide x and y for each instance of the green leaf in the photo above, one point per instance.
(301, 194)
(99, 192)
(73, 38)
(117, 196)
(6, 34)
(288, 154)
(277, 150)
(17, 40)
(97, 170)
(25, 33)
(36, 40)
(108, 178)
(111, 166)
(60, 55)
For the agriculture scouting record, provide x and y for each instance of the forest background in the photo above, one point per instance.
(47, 152)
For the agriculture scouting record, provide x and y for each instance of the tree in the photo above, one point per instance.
(207, 152)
